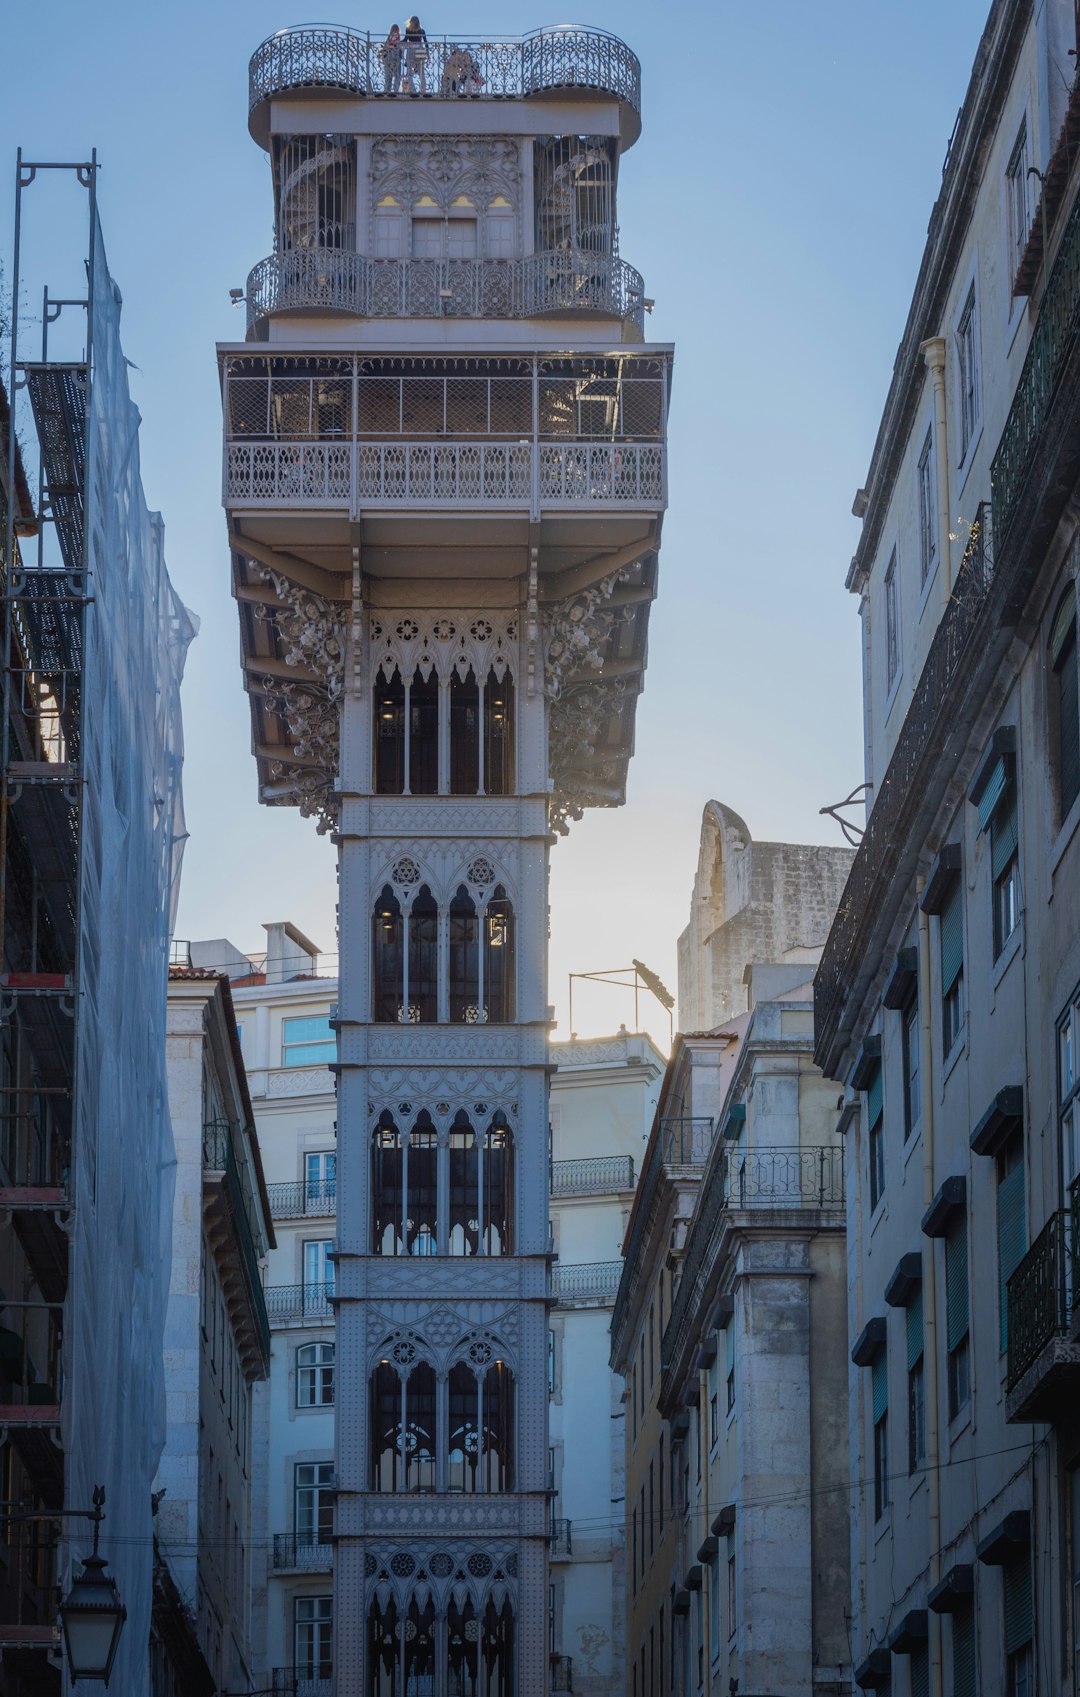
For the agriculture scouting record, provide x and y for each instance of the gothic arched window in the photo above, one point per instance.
(498, 734)
(463, 1451)
(464, 939)
(388, 958)
(498, 958)
(421, 991)
(473, 1642)
(403, 1426)
(389, 713)
(496, 1212)
(497, 1650)
(422, 1188)
(406, 718)
(420, 1647)
(464, 734)
(387, 1188)
(383, 1644)
(464, 1162)
(462, 1648)
(497, 1428)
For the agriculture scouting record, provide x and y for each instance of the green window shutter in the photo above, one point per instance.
(914, 1327)
(874, 1098)
(956, 1283)
(1004, 833)
(1012, 1235)
(993, 792)
(920, 1672)
(1016, 1583)
(963, 1654)
(1068, 723)
(879, 1380)
(952, 937)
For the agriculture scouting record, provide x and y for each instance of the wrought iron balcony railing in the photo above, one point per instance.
(682, 1144)
(326, 56)
(1041, 1292)
(562, 1542)
(337, 280)
(219, 1156)
(295, 1200)
(303, 1555)
(440, 474)
(915, 753)
(585, 1177)
(785, 1178)
(294, 1682)
(587, 1282)
(299, 1304)
(562, 1673)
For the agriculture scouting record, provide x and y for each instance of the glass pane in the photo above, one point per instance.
(389, 728)
(387, 958)
(424, 736)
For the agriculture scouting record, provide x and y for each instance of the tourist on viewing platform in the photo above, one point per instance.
(416, 56)
(390, 54)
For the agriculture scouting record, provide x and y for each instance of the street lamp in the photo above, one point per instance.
(92, 1615)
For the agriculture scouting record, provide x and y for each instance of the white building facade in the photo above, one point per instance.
(946, 997)
(444, 478)
(603, 1097)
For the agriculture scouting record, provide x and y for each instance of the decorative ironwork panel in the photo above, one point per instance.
(591, 1281)
(785, 1178)
(297, 1304)
(606, 1173)
(1038, 1295)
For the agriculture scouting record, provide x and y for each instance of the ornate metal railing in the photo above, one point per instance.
(682, 1143)
(785, 1178)
(305, 1555)
(288, 1682)
(336, 280)
(915, 752)
(286, 1303)
(562, 1673)
(219, 1155)
(435, 474)
(1038, 1295)
(1056, 330)
(295, 1200)
(562, 1541)
(589, 1281)
(325, 56)
(593, 1173)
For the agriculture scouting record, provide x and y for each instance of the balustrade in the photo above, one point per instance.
(322, 56)
(1040, 1293)
(562, 1542)
(299, 1304)
(562, 1673)
(785, 1178)
(337, 280)
(288, 1682)
(590, 1281)
(583, 1177)
(298, 1199)
(304, 1555)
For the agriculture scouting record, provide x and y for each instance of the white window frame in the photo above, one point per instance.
(968, 366)
(926, 483)
(893, 651)
(1019, 209)
(317, 1368)
(298, 1044)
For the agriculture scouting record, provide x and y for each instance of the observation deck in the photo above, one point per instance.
(567, 62)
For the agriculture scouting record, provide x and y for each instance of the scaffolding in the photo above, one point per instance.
(91, 830)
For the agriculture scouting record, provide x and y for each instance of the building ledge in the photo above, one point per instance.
(1048, 1389)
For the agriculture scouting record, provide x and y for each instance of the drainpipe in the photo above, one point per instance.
(933, 352)
(706, 1589)
(930, 1352)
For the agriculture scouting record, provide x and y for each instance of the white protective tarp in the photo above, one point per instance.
(137, 634)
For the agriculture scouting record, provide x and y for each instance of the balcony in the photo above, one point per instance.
(299, 1200)
(590, 1284)
(325, 59)
(301, 1555)
(320, 280)
(229, 1210)
(287, 1682)
(521, 434)
(601, 1174)
(562, 1543)
(785, 1178)
(300, 1305)
(562, 1673)
(680, 1146)
(1043, 1353)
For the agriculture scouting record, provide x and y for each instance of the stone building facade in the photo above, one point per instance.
(217, 1346)
(946, 998)
(603, 1096)
(444, 479)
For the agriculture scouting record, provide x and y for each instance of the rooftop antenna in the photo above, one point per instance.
(637, 977)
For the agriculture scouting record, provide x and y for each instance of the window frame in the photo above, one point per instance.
(894, 663)
(307, 1044)
(318, 1368)
(926, 486)
(967, 351)
(1018, 204)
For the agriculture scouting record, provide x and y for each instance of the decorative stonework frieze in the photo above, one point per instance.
(578, 635)
(301, 1081)
(444, 168)
(480, 1045)
(444, 643)
(408, 863)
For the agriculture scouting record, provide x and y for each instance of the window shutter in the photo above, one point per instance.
(952, 937)
(1012, 1235)
(874, 1097)
(879, 1380)
(1004, 833)
(729, 1346)
(992, 793)
(1069, 724)
(956, 1283)
(1016, 1578)
(914, 1327)
(920, 1672)
(963, 1653)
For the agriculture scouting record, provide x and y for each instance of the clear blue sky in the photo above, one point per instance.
(776, 204)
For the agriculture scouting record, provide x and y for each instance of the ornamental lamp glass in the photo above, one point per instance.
(92, 1617)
